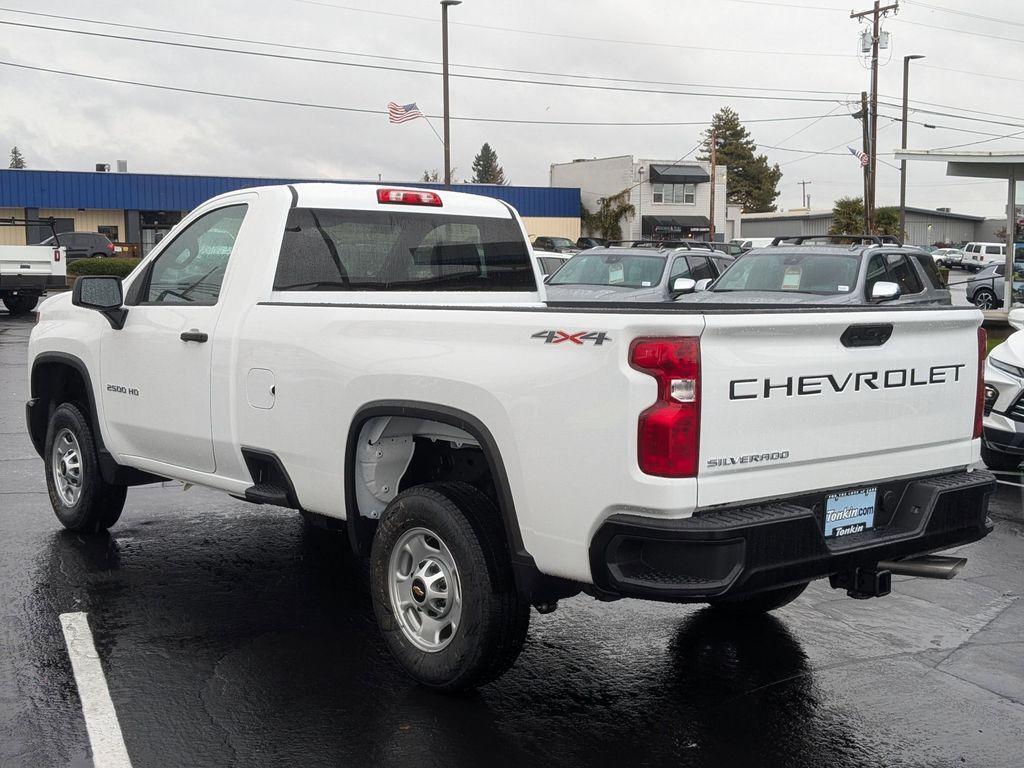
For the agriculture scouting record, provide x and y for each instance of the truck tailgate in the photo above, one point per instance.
(803, 401)
(31, 260)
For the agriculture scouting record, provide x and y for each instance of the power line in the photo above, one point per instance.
(407, 70)
(968, 14)
(960, 31)
(644, 43)
(334, 107)
(975, 74)
(359, 54)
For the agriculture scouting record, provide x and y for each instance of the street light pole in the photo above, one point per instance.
(903, 145)
(444, 77)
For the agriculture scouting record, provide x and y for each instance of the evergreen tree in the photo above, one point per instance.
(751, 183)
(486, 169)
(431, 176)
(17, 159)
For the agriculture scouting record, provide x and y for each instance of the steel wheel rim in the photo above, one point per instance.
(425, 590)
(67, 466)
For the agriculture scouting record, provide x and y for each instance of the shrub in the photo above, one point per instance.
(103, 266)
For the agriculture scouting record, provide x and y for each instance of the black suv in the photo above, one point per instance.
(82, 245)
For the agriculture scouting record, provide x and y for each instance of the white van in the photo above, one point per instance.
(748, 243)
(977, 256)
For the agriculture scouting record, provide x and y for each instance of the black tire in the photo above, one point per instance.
(20, 305)
(984, 299)
(494, 618)
(760, 602)
(997, 460)
(98, 504)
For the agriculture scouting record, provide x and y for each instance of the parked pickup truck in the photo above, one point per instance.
(384, 361)
(28, 271)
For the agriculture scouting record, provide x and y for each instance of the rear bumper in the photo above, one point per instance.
(749, 549)
(31, 284)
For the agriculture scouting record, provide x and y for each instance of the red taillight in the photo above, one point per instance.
(668, 433)
(56, 254)
(979, 405)
(110, 247)
(408, 197)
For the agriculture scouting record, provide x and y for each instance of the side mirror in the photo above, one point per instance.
(104, 294)
(702, 285)
(885, 291)
(683, 285)
(1016, 319)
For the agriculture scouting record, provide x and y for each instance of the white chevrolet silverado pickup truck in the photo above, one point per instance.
(384, 361)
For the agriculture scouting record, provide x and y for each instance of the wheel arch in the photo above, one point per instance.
(59, 377)
(361, 530)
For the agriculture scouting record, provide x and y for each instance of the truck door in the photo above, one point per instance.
(156, 370)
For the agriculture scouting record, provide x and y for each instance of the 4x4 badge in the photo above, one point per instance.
(580, 337)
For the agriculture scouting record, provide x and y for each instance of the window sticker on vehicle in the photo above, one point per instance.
(842, 287)
(791, 280)
(616, 273)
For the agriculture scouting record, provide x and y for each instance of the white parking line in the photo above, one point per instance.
(105, 739)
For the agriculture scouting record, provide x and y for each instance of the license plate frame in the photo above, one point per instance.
(850, 512)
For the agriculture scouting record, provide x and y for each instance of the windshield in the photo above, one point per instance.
(766, 270)
(611, 269)
(562, 242)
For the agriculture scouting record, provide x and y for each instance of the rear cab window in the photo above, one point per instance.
(326, 249)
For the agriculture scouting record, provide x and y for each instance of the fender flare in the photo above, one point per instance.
(37, 420)
(360, 530)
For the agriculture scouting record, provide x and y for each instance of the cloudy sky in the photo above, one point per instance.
(768, 60)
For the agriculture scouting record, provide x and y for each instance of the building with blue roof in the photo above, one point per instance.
(139, 208)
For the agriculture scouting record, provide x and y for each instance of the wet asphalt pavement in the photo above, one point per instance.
(231, 635)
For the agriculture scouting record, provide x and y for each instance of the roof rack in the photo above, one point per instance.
(872, 239)
(49, 221)
(687, 244)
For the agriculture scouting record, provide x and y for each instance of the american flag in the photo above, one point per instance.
(401, 113)
(860, 156)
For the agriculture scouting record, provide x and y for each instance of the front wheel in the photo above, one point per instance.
(760, 602)
(443, 591)
(20, 304)
(1004, 462)
(80, 497)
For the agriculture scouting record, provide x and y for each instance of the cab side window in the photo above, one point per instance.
(893, 268)
(679, 269)
(191, 269)
(700, 268)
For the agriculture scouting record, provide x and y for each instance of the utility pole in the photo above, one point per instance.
(804, 197)
(903, 145)
(714, 183)
(868, 209)
(876, 14)
(444, 77)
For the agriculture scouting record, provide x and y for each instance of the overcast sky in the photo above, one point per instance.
(726, 46)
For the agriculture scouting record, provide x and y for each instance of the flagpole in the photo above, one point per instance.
(434, 130)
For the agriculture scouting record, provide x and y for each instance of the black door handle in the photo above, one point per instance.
(194, 335)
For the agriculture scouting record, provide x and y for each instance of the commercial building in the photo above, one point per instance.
(671, 199)
(924, 226)
(139, 208)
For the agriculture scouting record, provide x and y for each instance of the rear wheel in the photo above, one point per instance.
(19, 305)
(443, 590)
(80, 497)
(761, 602)
(1004, 462)
(985, 299)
